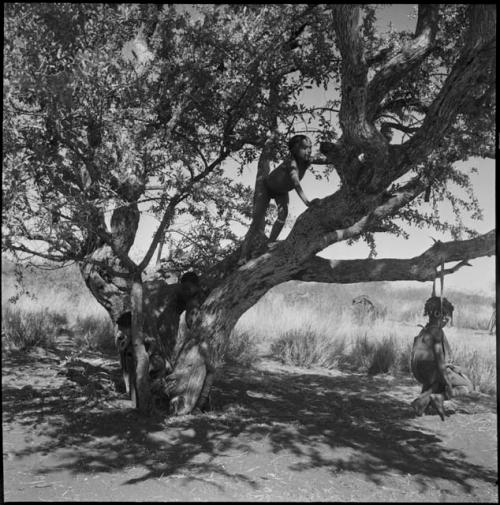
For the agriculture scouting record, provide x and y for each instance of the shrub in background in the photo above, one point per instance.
(480, 368)
(384, 356)
(241, 349)
(23, 329)
(94, 332)
(307, 348)
(359, 354)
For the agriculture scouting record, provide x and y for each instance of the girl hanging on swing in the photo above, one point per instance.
(431, 358)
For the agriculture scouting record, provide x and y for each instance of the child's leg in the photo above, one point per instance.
(282, 203)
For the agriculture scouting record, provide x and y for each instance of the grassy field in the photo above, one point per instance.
(305, 324)
(314, 325)
(55, 301)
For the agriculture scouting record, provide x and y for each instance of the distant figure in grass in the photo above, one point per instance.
(278, 183)
(431, 361)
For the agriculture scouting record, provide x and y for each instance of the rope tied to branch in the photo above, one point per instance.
(442, 287)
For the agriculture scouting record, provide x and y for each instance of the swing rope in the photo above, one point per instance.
(442, 285)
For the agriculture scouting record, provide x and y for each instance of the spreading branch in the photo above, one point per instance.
(354, 71)
(335, 218)
(169, 213)
(405, 59)
(469, 73)
(359, 132)
(419, 268)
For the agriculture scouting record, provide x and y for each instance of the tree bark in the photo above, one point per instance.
(471, 72)
(245, 286)
(141, 392)
(367, 165)
(419, 268)
(405, 59)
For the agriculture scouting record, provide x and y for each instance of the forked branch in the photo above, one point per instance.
(405, 59)
(472, 70)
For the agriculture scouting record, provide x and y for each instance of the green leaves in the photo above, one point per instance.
(101, 101)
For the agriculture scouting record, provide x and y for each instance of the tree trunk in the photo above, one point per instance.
(235, 295)
(119, 290)
(140, 392)
(203, 346)
(193, 352)
(147, 313)
(242, 288)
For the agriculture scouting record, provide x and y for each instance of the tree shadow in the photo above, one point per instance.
(362, 424)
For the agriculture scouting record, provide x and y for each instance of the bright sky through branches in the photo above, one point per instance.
(479, 277)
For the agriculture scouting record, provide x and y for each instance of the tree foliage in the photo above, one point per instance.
(102, 101)
(111, 110)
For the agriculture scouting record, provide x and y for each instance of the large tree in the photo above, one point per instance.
(116, 109)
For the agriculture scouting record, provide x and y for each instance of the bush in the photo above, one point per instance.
(402, 361)
(241, 349)
(307, 348)
(481, 370)
(384, 356)
(24, 329)
(95, 332)
(359, 355)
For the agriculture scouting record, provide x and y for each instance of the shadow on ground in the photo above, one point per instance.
(341, 423)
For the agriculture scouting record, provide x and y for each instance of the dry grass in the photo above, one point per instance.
(241, 349)
(315, 325)
(308, 348)
(61, 291)
(383, 347)
(94, 332)
(23, 329)
(306, 324)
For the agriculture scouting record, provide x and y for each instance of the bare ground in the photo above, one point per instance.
(276, 433)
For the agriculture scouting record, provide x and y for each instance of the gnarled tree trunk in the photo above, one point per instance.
(370, 170)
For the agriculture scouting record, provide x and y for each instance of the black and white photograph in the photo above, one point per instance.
(249, 253)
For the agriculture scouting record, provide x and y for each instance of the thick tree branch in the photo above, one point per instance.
(419, 268)
(337, 218)
(333, 153)
(399, 105)
(472, 70)
(406, 59)
(354, 74)
(257, 225)
(359, 132)
(379, 55)
(398, 126)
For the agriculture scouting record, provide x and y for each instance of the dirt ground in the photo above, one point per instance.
(275, 433)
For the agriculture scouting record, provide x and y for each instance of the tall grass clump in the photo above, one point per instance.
(403, 357)
(307, 348)
(23, 329)
(370, 355)
(359, 354)
(384, 357)
(241, 350)
(480, 368)
(95, 332)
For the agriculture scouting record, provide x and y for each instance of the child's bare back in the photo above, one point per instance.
(281, 179)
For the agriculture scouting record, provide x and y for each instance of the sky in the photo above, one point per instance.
(480, 277)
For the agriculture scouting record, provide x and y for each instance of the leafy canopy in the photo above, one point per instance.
(103, 102)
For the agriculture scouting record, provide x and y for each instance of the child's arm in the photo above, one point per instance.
(294, 174)
(437, 341)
